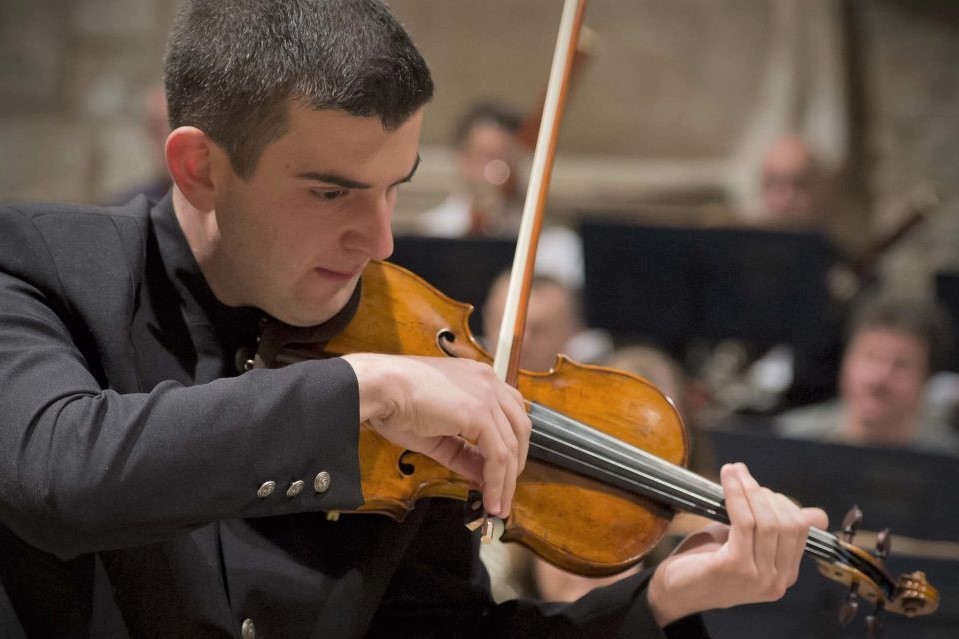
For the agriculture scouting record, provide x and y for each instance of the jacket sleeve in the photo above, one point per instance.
(84, 468)
(442, 590)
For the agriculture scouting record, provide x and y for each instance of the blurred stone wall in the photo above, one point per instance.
(72, 75)
(669, 80)
(672, 81)
(912, 133)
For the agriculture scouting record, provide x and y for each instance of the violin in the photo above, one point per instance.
(605, 471)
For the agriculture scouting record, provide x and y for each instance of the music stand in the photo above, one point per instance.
(672, 284)
(947, 293)
(908, 491)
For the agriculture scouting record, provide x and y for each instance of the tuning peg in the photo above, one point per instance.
(874, 622)
(849, 609)
(883, 544)
(850, 523)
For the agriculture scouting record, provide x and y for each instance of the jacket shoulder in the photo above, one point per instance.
(136, 211)
(49, 244)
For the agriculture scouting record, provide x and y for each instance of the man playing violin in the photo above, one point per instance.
(151, 486)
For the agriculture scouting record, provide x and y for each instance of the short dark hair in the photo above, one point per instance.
(496, 113)
(233, 66)
(925, 320)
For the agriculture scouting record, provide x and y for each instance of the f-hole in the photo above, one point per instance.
(445, 337)
(405, 467)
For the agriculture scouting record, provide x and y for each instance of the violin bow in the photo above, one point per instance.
(509, 342)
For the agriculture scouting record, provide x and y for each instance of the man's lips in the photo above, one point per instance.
(337, 276)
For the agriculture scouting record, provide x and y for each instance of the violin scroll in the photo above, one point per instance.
(867, 578)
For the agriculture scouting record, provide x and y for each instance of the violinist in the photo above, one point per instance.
(151, 485)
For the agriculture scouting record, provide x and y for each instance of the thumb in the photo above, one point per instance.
(816, 517)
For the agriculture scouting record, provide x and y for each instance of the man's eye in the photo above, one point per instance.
(329, 195)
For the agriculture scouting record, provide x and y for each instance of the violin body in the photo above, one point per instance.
(577, 523)
(625, 440)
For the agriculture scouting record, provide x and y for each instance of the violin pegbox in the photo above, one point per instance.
(867, 579)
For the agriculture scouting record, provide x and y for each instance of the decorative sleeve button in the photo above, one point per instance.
(295, 488)
(322, 482)
(248, 630)
(266, 489)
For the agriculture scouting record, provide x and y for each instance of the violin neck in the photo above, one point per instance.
(576, 447)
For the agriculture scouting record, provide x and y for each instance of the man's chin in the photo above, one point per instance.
(324, 310)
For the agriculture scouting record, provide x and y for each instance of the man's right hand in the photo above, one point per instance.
(454, 410)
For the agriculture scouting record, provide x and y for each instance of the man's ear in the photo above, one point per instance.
(189, 157)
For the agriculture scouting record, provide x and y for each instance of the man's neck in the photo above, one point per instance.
(200, 230)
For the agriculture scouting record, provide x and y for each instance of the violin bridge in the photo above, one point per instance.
(486, 524)
(476, 517)
(487, 531)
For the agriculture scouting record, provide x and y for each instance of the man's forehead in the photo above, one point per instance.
(888, 337)
(325, 140)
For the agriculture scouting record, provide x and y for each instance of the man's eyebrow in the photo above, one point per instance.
(347, 183)
(409, 176)
(333, 178)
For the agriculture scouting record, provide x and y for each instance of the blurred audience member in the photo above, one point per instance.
(491, 166)
(157, 127)
(892, 349)
(489, 196)
(554, 324)
(792, 185)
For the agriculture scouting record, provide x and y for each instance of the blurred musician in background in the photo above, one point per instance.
(554, 324)
(793, 185)
(489, 161)
(893, 347)
(491, 166)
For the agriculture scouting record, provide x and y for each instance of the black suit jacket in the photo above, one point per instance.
(133, 459)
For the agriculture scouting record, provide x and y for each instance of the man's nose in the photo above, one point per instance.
(880, 371)
(373, 234)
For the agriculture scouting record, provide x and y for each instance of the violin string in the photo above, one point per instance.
(564, 430)
(599, 472)
(813, 547)
(711, 491)
(612, 446)
(675, 484)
